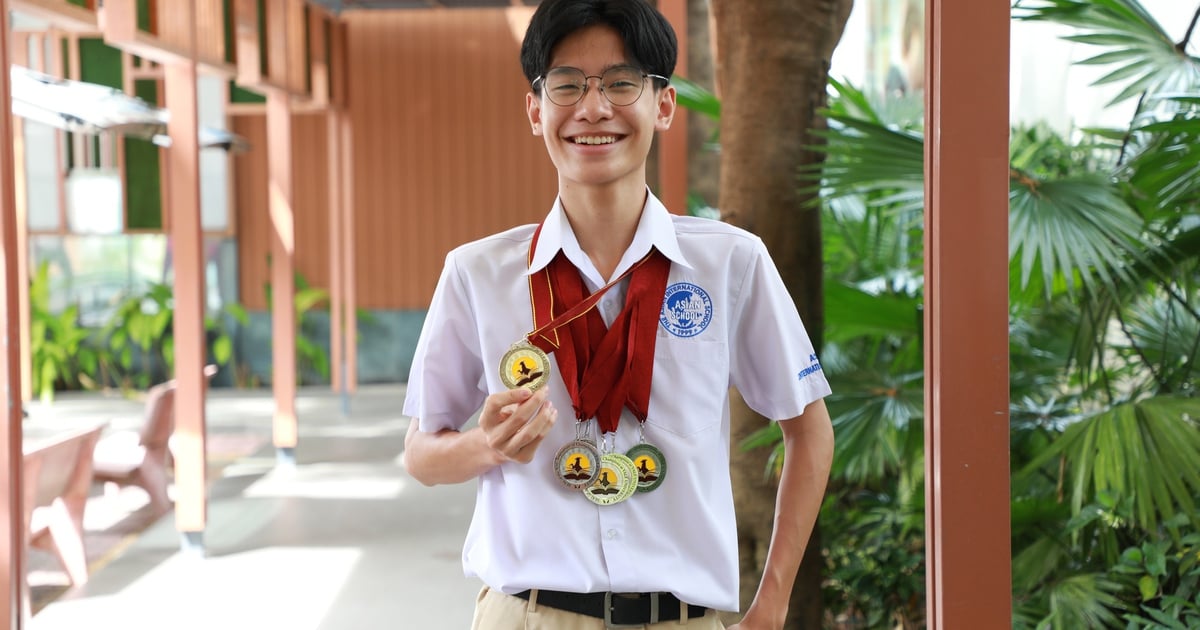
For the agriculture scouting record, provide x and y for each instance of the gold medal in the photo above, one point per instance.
(616, 480)
(524, 365)
(650, 465)
(577, 464)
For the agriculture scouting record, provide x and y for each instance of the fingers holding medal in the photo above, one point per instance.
(514, 423)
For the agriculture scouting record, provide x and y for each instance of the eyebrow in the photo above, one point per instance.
(623, 64)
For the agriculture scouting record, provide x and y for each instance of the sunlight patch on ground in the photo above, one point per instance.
(221, 592)
(327, 481)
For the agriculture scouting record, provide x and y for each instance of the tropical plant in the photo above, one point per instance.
(1105, 344)
(58, 343)
(1105, 273)
(141, 341)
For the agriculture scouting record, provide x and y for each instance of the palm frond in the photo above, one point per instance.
(694, 97)
(1164, 337)
(1146, 451)
(1166, 169)
(852, 312)
(1085, 600)
(1072, 231)
(877, 422)
(1038, 562)
(1146, 59)
(864, 157)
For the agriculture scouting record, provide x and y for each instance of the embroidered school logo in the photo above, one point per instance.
(686, 311)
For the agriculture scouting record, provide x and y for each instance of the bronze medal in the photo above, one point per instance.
(650, 465)
(616, 480)
(577, 464)
(524, 365)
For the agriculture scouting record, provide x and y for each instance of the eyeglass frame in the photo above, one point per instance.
(600, 78)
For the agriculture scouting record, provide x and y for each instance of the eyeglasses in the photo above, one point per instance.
(621, 85)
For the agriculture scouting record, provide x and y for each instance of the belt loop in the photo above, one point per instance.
(654, 607)
(683, 613)
(533, 593)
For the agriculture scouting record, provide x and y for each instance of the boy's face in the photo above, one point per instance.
(594, 142)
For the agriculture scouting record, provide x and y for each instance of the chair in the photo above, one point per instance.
(141, 458)
(58, 478)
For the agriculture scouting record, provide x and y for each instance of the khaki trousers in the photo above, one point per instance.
(496, 611)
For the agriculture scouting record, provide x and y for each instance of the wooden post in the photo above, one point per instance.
(283, 288)
(968, 557)
(349, 288)
(13, 610)
(187, 260)
(340, 97)
(20, 50)
(673, 144)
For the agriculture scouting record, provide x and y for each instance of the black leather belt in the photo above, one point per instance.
(618, 609)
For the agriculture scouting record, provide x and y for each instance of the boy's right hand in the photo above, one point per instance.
(515, 422)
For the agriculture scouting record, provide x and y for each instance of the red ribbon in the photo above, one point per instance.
(604, 369)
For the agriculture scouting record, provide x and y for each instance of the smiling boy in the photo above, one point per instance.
(599, 348)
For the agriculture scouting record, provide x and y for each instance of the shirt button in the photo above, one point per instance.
(612, 534)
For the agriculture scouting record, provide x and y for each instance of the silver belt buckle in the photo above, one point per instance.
(608, 612)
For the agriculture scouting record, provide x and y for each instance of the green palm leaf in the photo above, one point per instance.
(1148, 451)
(852, 312)
(696, 98)
(864, 157)
(1164, 336)
(1166, 170)
(1071, 231)
(1085, 600)
(877, 421)
(1146, 59)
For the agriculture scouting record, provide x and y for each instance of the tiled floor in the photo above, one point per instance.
(345, 540)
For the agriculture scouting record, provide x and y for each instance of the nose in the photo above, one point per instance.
(594, 105)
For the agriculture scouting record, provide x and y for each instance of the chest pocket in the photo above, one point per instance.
(691, 383)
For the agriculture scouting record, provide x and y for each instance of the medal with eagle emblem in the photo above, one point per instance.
(616, 481)
(524, 365)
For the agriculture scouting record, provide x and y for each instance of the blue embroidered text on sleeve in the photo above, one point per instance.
(812, 369)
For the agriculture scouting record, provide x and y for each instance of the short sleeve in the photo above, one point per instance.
(444, 382)
(772, 360)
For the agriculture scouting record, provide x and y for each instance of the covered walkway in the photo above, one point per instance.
(345, 539)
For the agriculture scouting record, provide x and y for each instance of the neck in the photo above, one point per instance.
(604, 221)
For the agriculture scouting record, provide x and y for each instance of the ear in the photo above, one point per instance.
(666, 108)
(533, 109)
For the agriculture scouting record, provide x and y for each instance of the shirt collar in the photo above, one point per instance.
(655, 229)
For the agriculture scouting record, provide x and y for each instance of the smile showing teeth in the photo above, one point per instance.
(595, 139)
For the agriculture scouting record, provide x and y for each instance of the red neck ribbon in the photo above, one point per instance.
(604, 369)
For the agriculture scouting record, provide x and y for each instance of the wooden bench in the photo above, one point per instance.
(58, 479)
(142, 458)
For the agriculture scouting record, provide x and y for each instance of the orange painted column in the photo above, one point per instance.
(337, 334)
(13, 610)
(673, 144)
(968, 557)
(340, 245)
(189, 444)
(283, 264)
(349, 287)
(20, 56)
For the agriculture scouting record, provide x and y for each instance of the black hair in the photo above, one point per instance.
(649, 39)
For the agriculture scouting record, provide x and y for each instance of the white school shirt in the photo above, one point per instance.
(727, 319)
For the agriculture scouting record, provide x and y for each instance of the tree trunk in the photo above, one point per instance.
(772, 69)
